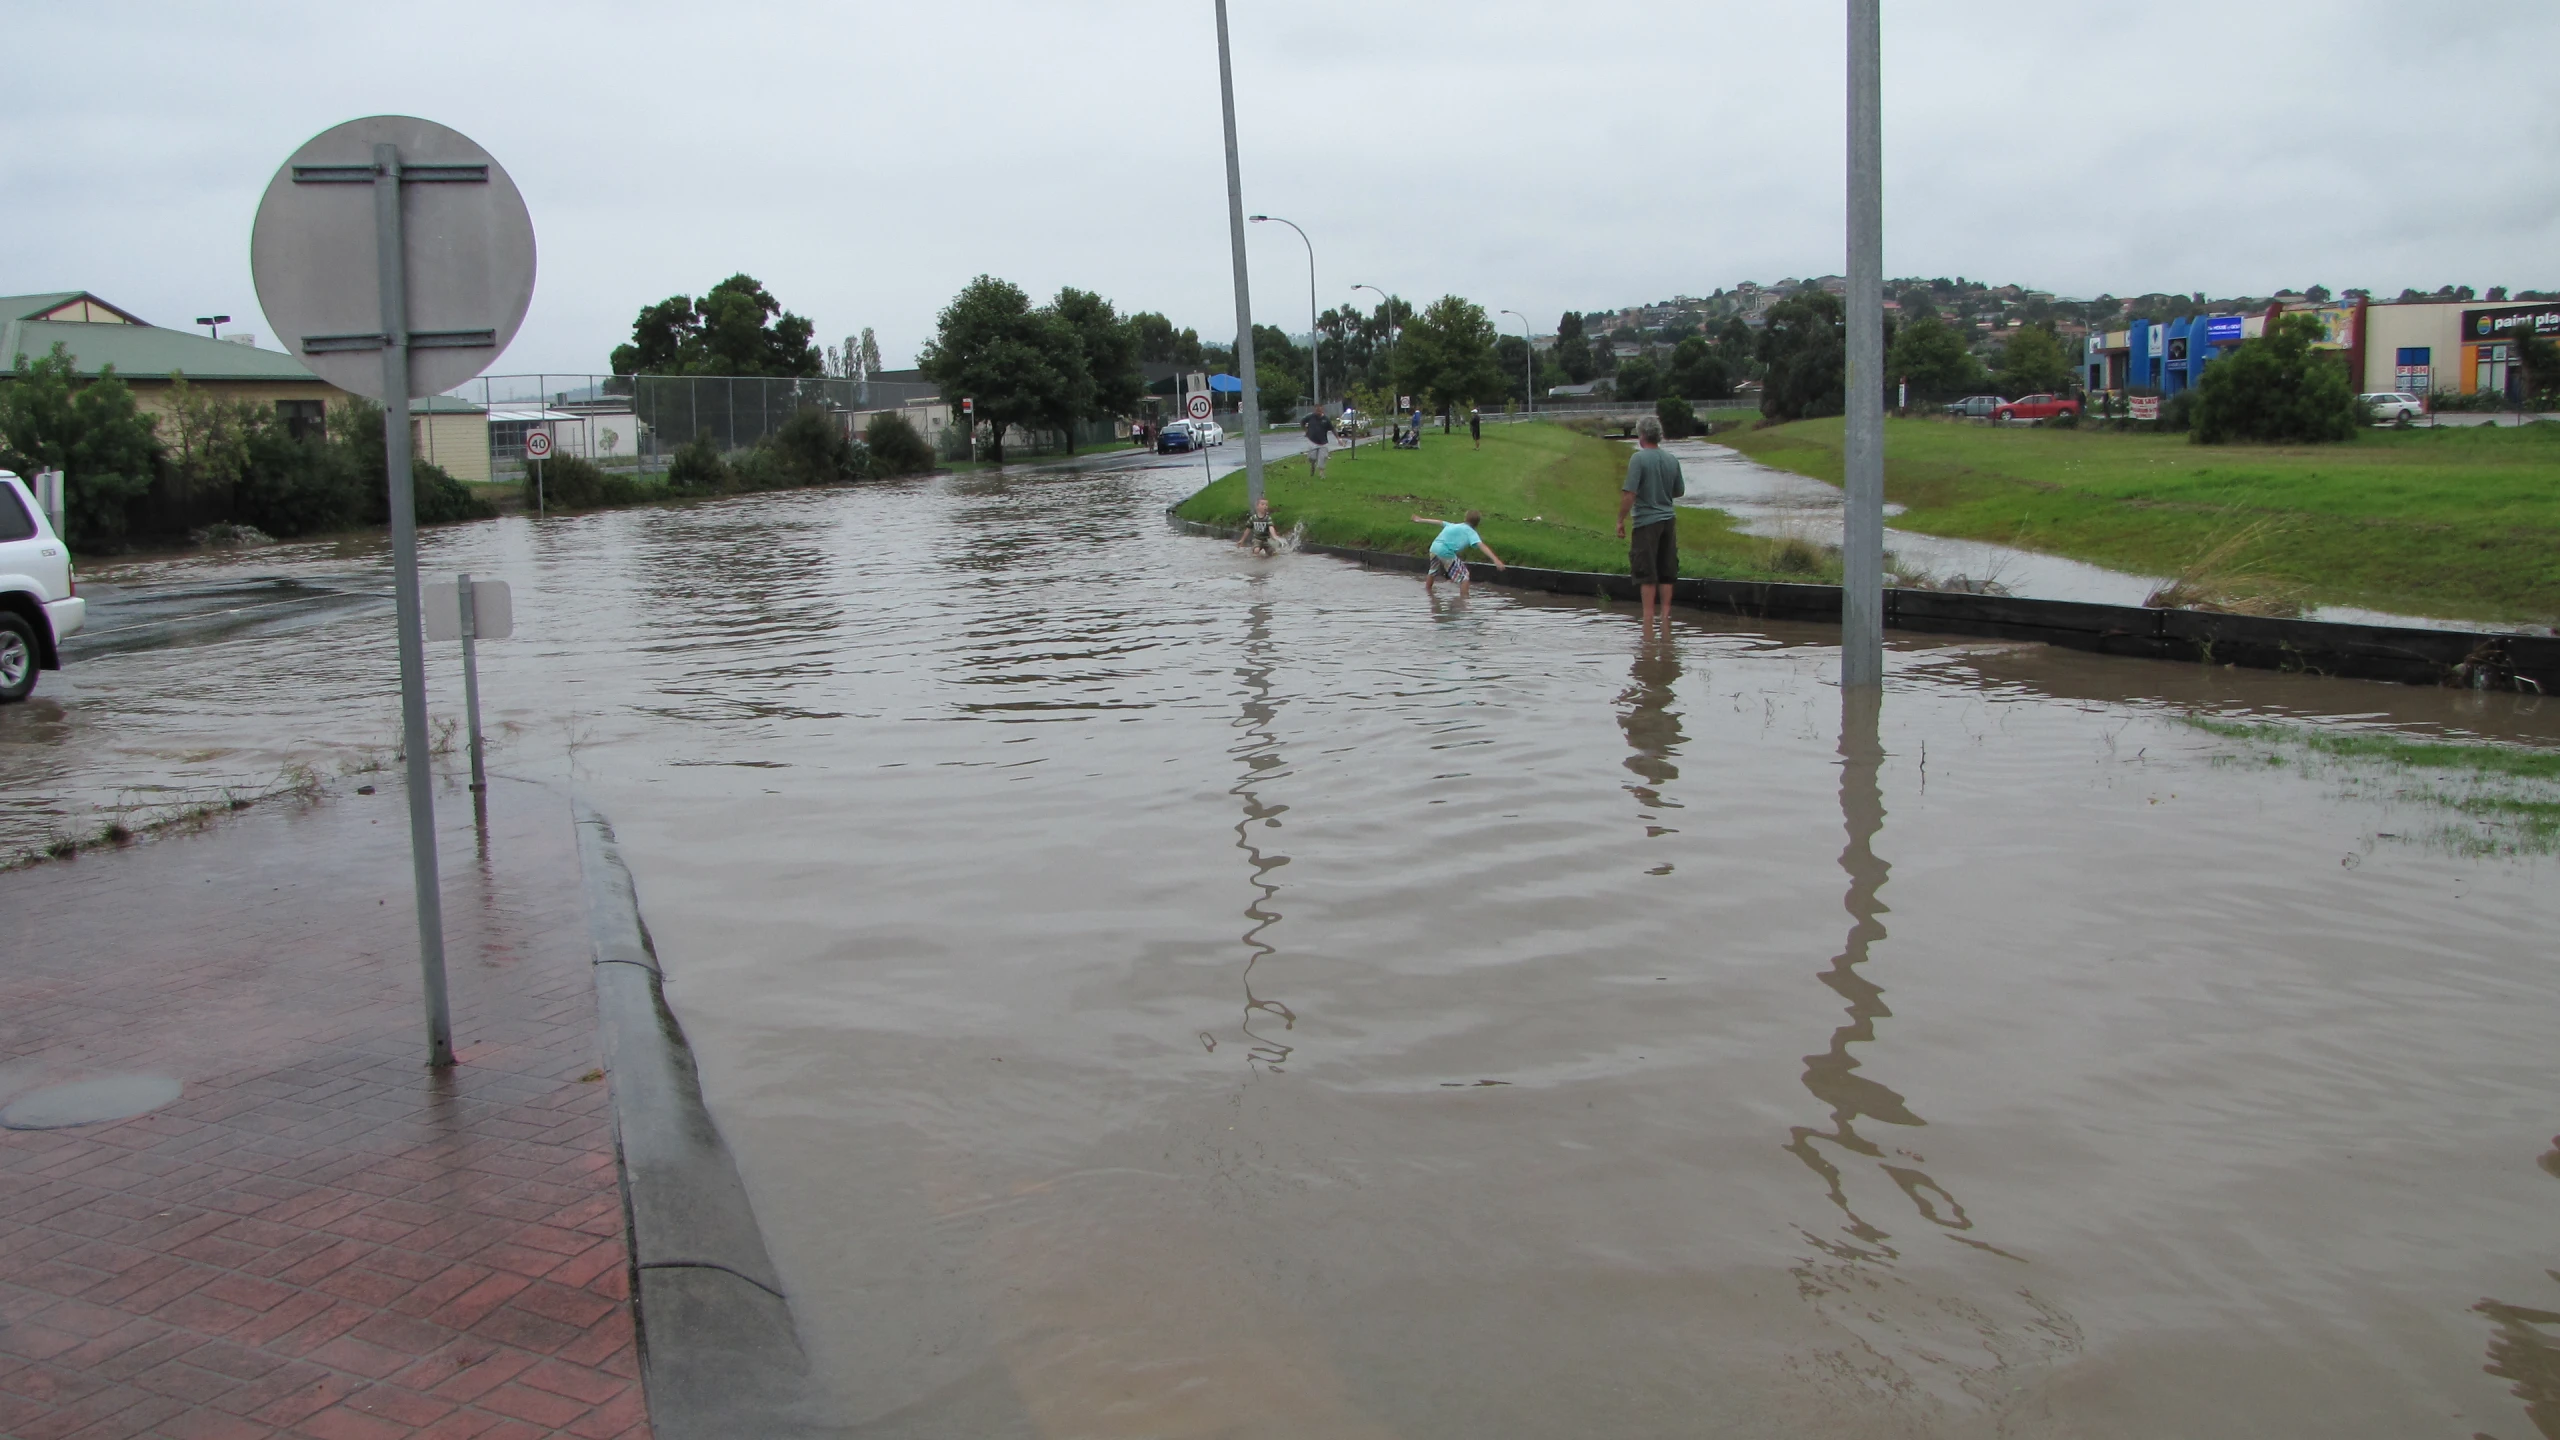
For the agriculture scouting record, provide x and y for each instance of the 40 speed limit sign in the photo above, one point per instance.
(1199, 407)
(537, 444)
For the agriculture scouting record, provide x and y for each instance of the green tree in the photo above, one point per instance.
(1109, 346)
(895, 446)
(106, 448)
(2033, 362)
(2537, 360)
(1679, 419)
(1022, 366)
(737, 329)
(1698, 371)
(1638, 379)
(1159, 343)
(1933, 359)
(1278, 388)
(1805, 349)
(1573, 348)
(2277, 388)
(1446, 355)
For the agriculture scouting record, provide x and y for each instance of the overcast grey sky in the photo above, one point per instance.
(866, 160)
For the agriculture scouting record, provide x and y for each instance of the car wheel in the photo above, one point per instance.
(17, 657)
(2005, 416)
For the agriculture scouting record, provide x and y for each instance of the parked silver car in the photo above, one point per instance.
(2391, 407)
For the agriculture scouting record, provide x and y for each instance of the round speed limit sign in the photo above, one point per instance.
(1199, 407)
(537, 444)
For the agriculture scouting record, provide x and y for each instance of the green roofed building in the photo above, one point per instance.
(148, 357)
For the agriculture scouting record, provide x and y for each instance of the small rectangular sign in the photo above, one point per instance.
(493, 610)
(2144, 407)
(2222, 329)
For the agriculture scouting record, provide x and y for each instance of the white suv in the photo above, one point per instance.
(2390, 407)
(38, 607)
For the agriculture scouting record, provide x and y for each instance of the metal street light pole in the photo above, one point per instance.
(1315, 341)
(1862, 537)
(1244, 297)
(1387, 310)
(1528, 362)
(214, 323)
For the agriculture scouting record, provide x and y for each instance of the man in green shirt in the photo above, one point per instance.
(1653, 556)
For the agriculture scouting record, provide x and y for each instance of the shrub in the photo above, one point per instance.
(811, 448)
(697, 469)
(437, 498)
(2275, 388)
(1679, 418)
(896, 448)
(570, 482)
(107, 449)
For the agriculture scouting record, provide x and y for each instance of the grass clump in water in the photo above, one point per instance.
(2509, 795)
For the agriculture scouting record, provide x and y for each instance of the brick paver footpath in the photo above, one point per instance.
(318, 1237)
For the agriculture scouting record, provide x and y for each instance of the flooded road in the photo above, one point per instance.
(1155, 992)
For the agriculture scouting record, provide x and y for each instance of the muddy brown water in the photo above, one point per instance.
(1156, 992)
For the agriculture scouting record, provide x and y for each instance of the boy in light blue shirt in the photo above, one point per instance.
(1450, 546)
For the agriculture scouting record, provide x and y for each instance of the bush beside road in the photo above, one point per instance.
(2455, 523)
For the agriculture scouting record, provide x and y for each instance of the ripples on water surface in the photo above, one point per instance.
(1154, 992)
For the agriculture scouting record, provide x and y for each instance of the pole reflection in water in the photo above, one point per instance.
(1653, 732)
(1259, 750)
(1833, 1075)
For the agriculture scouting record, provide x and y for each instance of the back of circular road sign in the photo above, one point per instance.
(317, 261)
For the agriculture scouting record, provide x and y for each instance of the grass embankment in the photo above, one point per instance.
(1549, 497)
(2460, 523)
(2509, 795)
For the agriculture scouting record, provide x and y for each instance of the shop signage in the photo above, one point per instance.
(2495, 323)
(2177, 349)
(2222, 329)
(2144, 407)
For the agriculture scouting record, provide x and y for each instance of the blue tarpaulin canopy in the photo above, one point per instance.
(1228, 383)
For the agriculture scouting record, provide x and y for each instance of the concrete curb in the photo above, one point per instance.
(719, 1354)
(2468, 659)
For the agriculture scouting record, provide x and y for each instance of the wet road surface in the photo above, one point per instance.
(1157, 992)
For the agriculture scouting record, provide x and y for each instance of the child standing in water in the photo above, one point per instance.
(1449, 547)
(1258, 535)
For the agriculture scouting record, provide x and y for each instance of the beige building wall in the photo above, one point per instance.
(153, 395)
(2437, 325)
(459, 442)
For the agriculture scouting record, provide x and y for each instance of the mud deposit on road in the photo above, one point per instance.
(1153, 992)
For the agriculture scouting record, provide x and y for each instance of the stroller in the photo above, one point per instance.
(1409, 437)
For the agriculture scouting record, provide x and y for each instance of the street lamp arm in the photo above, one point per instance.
(1315, 339)
(1528, 362)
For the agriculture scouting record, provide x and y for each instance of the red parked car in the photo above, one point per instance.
(2036, 407)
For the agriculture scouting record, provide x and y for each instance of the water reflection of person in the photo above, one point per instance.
(1833, 1075)
(1259, 750)
(2525, 1350)
(1652, 727)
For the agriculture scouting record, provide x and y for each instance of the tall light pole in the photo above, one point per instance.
(1315, 341)
(1388, 310)
(1244, 296)
(1862, 529)
(214, 323)
(1528, 362)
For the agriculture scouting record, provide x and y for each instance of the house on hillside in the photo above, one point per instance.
(147, 357)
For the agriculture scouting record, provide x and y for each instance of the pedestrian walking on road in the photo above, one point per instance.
(1319, 436)
(1475, 426)
(1449, 548)
(1653, 555)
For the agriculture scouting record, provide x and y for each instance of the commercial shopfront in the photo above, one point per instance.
(2455, 345)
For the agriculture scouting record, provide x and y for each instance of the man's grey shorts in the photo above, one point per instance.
(1653, 553)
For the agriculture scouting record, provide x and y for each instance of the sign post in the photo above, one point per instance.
(969, 417)
(470, 611)
(367, 311)
(537, 448)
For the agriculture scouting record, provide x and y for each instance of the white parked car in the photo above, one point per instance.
(2390, 407)
(1210, 432)
(38, 608)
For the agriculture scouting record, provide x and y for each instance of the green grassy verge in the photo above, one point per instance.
(2461, 523)
(2507, 795)
(1549, 497)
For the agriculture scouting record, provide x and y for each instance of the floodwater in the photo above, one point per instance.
(1154, 992)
